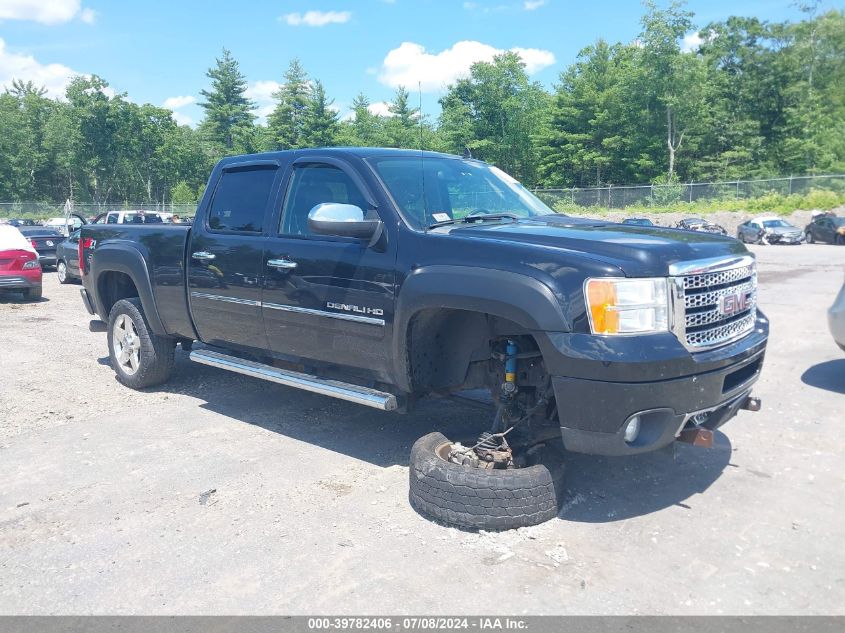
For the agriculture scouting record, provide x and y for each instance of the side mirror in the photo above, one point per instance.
(343, 220)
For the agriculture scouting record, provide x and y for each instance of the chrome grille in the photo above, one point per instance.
(701, 322)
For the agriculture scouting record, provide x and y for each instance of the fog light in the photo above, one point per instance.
(632, 430)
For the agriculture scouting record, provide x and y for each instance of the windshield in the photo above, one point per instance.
(432, 190)
(776, 224)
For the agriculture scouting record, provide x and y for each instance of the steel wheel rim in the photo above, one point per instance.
(61, 271)
(127, 345)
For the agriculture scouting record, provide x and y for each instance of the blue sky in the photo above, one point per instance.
(157, 51)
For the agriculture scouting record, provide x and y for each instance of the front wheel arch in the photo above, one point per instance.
(527, 303)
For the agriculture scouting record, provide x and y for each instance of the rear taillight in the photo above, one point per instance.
(34, 245)
(84, 242)
(32, 263)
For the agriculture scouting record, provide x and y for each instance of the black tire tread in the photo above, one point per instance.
(34, 293)
(483, 499)
(157, 352)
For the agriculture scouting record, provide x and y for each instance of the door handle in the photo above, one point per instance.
(203, 256)
(282, 264)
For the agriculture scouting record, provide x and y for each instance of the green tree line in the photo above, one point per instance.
(749, 99)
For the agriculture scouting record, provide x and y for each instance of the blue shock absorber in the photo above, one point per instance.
(510, 363)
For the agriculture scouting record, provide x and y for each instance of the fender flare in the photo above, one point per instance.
(124, 258)
(520, 298)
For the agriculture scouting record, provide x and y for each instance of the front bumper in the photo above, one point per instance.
(785, 239)
(708, 388)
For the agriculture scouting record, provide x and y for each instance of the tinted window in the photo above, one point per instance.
(313, 185)
(111, 219)
(240, 199)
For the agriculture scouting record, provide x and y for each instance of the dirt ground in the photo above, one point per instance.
(220, 494)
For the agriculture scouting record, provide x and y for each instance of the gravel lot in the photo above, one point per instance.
(222, 494)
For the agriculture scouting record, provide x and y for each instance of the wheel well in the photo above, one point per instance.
(114, 286)
(449, 350)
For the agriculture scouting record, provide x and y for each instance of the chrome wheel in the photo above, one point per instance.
(127, 344)
(61, 272)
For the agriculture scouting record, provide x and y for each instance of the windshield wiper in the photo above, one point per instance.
(474, 217)
(470, 219)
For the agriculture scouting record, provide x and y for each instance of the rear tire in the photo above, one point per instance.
(61, 272)
(33, 294)
(139, 357)
(839, 240)
(483, 499)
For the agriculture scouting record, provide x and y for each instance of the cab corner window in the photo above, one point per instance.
(312, 185)
(240, 199)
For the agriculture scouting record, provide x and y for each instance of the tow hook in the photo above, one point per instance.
(697, 437)
(751, 404)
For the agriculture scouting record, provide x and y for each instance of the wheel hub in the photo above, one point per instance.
(127, 345)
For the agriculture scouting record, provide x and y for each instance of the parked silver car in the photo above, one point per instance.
(769, 230)
(836, 318)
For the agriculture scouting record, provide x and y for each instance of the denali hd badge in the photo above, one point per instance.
(348, 307)
(733, 303)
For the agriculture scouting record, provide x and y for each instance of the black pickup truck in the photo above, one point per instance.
(379, 276)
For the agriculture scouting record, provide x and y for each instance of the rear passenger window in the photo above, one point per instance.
(240, 199)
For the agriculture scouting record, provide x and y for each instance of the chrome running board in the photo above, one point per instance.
(307, 382)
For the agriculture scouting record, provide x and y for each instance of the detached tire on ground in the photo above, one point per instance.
(483, 499)
(139, 358)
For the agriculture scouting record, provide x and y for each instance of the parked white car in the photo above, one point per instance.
(134, 217)
(65, 227)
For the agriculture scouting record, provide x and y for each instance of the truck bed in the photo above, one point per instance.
(163, 249)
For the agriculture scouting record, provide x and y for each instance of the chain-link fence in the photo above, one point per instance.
(44, 210)
(656, 196)
(609, 197)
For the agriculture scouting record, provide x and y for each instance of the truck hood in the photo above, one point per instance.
(639, 251)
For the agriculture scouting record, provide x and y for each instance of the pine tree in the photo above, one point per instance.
(286, 122)
(321, 121)
(366, 125)
(228, 112)
(401, 128)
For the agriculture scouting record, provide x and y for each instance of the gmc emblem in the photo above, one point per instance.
(733, 303)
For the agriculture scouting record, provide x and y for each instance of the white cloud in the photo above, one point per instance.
(54, 77)
(410, 63)
(183, 119)
(379, 108)
(45, 11)
(317, 18)
(691, 42)
(535, 59)
(174, 103)
(262, 93)
(530, 5)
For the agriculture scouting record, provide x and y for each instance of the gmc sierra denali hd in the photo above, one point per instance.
(379, 276)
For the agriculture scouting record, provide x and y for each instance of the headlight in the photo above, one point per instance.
(627, 306)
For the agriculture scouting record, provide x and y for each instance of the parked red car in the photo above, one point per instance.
(19, 267)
